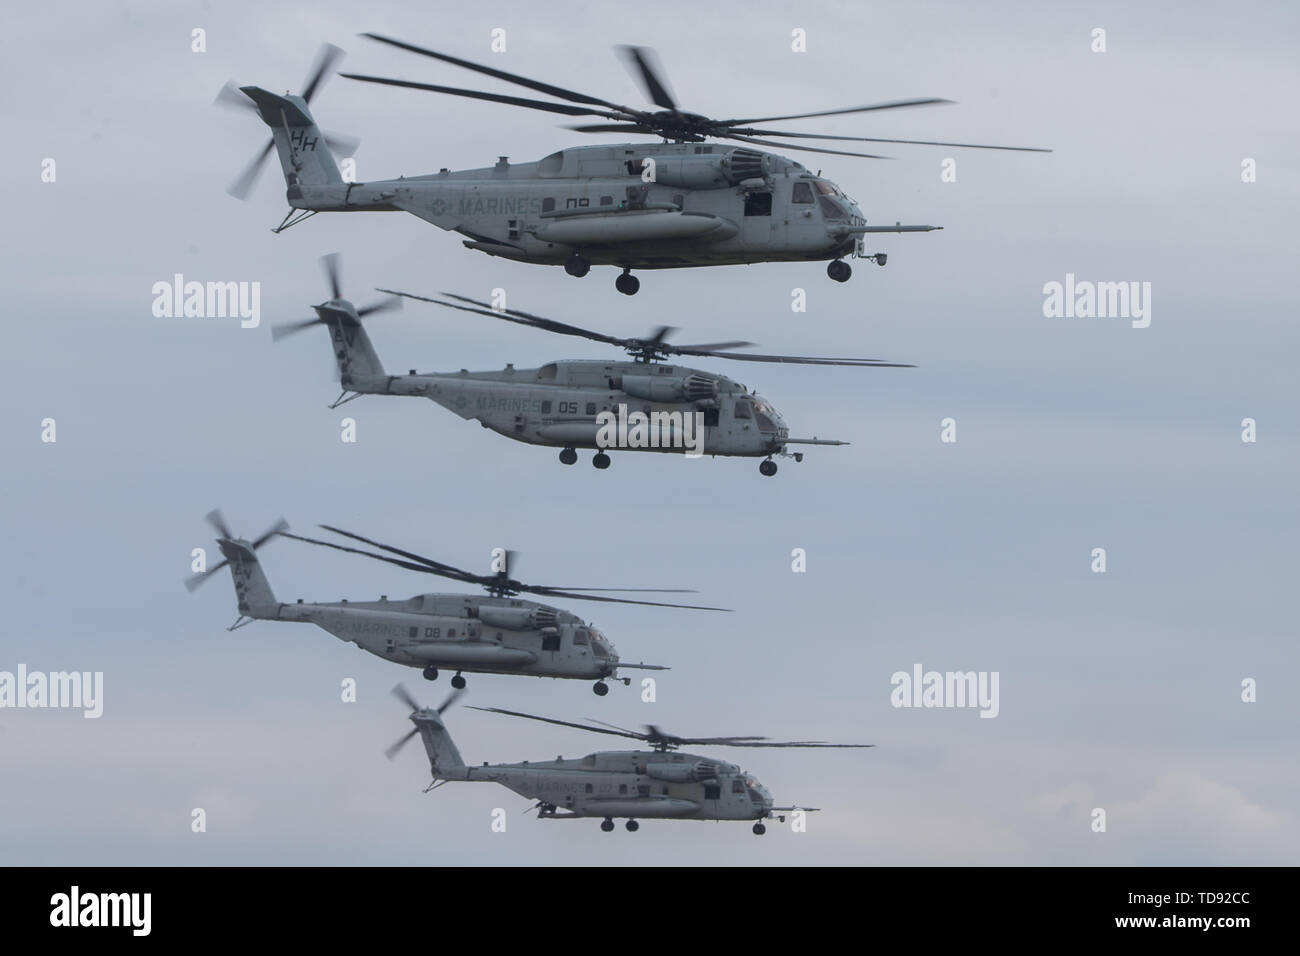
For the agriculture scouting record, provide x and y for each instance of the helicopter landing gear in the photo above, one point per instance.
(633, 826)
(607, 824)
(577, 266)
(601, 460)
(839, 270)
(627, 283)
(430, 673)
(600, 688)
(458, 682)
(568, 456)
(767, 468)
(759, 829)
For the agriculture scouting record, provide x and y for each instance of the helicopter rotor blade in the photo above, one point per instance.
(643, 63)
(713, 346)
(806, 149)
(793, 359)
(513, 315)
(874, 139)
(326, 57)
(341, 144)
(574, 595)
(330, 263)
(547, 88)
(194, 580)
(231, 96)
(438, 566)
(803, 744)
(281, 329)
(401, 693)
(393, 750)
(612, 128)
(280, 527)
(454, 696)
(632, 590)
(243, 184)
(873, 108)
(408, 565)
(392, 304)
(563, 723)
(218, 521)
(523, 101)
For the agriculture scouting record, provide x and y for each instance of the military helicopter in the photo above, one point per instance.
(656, 784)
(684, 201)
(579, 403)
(496, 634)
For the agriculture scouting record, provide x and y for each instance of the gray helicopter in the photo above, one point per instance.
(636, 784)
(680, 202)
(637, 405)
(467, 633)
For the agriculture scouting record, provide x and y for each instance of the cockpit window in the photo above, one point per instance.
(827, 188)
(580, 637)
(832, 210)
(802, 194)
(737, 786)
(742, 409)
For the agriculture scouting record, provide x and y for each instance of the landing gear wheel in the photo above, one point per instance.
(839, 270)
(607, 824)
(577, 266)
(458, 682)
(767, 468)
(633, 826)
(430, 673)
(759, 829)
(627, 283)
(601, 460)
(600, 688)
(568, 456)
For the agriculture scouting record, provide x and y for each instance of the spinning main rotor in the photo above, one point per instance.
(662, 741)
(668, 122)
(499, 584)
(653, 348)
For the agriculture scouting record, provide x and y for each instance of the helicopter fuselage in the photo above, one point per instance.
(589, 404)
(633, 784)
(466, 632)
(635, 205)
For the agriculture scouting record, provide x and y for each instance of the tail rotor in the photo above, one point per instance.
(232, 96)
(218, 522)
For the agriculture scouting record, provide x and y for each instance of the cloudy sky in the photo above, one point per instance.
(1119, 691)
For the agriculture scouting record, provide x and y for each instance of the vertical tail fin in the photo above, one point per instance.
(252, 590)
(444, 758)
(356, 357)
(304, 155)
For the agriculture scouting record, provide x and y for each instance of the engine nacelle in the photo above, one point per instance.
(681, 772)
(517, 618)
(674, 388)
(711, 170)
